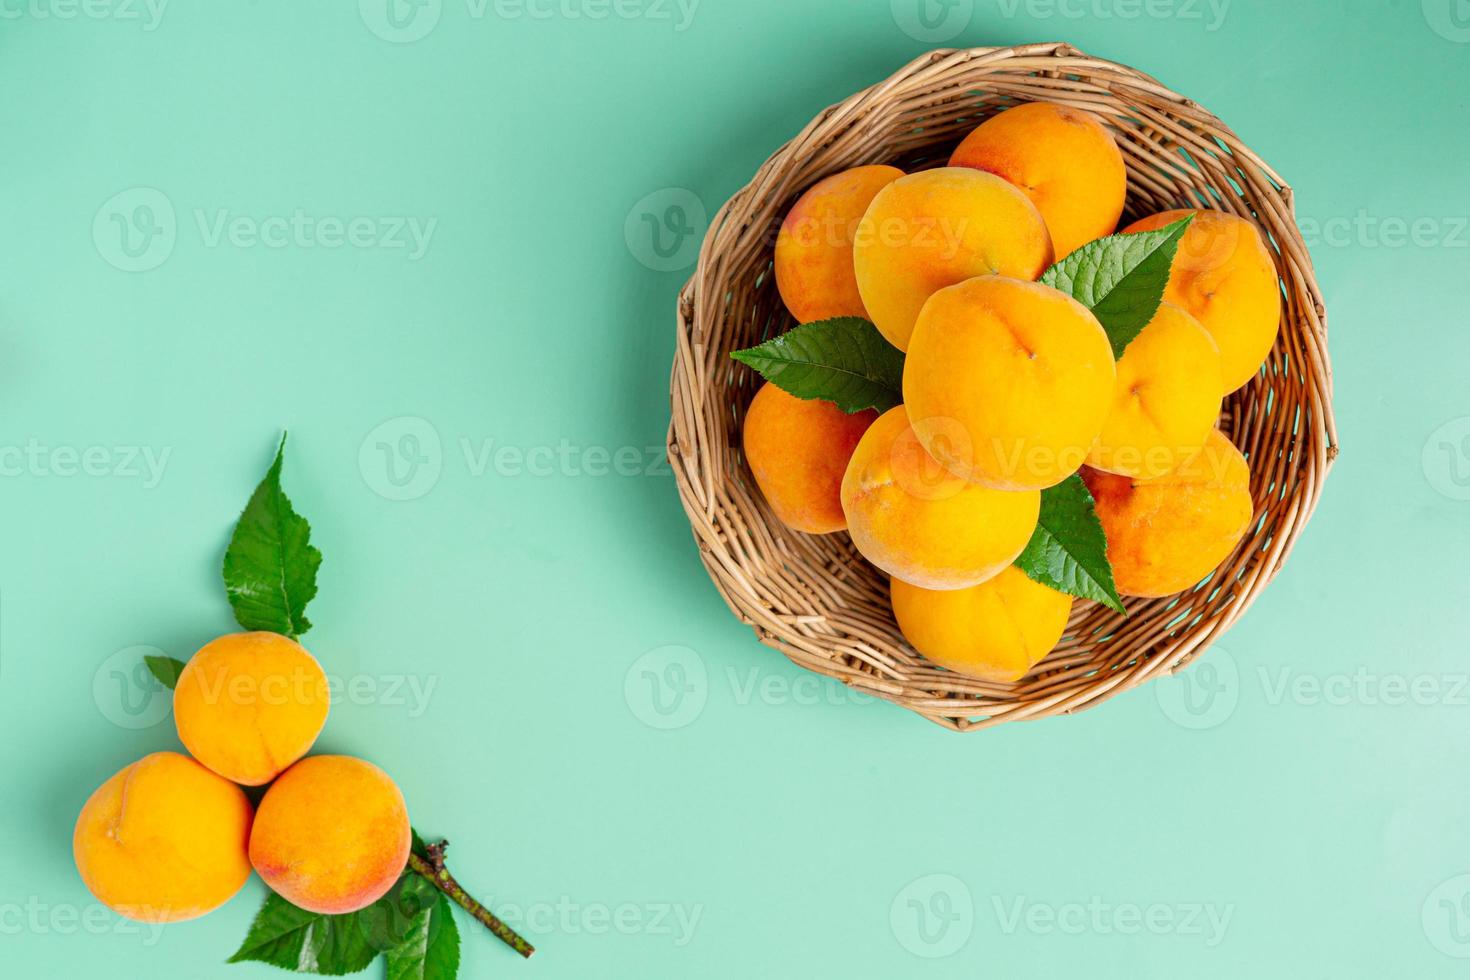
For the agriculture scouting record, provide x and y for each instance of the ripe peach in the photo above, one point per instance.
(1064, 160)
(798, 450)
(936, 228)
(163, 840)
(814, 246)
(1166, 400)
(247, 705)
(1008, 383)
(1166, 535)
(922, 524)
(331, 834)
(996, 631)
(1223, 275)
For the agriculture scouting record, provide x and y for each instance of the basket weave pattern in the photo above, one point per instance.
(814, 598)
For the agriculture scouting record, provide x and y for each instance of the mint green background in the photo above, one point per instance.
(1330, 829)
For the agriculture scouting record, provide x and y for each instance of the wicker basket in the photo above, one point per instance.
(813, 597)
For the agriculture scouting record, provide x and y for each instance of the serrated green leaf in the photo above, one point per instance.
(270, 566)
(166, 669)
(388, 920)
(1069, 551)
(306, 942)
(1121, 278)
(845, 361)
(430, 951)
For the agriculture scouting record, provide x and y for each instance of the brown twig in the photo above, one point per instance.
(433, 869)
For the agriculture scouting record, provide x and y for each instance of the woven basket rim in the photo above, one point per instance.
(812, 597)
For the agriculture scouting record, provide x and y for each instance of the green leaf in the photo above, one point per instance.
(430, 951)
(166, 669)
(1121, 278)
(270, 565)
(845, 361)
(1068, 551)
(306, 942)
(388, 920)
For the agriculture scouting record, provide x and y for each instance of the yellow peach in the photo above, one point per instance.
(922, 524)
(798, 450)
(1166, 400)
(814, 246)
(996, 631)
(164, 840)
(937, 228)
(247, 705)
(1008, 383)
(1065, 161)
(1167, 535)
(1223, 276)
(331, 834)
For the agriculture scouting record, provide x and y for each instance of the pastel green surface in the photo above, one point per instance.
(504, 589)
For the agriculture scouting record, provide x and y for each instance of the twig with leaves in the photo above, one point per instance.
(270, 570)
